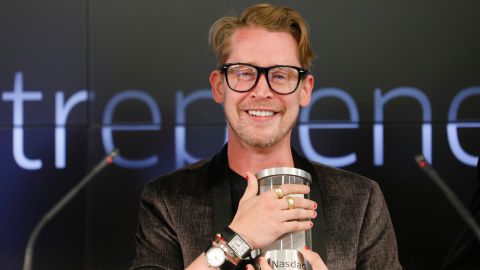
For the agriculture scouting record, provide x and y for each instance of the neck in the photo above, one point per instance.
(244, 158)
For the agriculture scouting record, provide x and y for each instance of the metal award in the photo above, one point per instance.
(284, 254)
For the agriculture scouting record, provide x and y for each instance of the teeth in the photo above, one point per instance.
(261, 113)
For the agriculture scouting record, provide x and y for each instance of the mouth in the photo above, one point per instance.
(259, 113)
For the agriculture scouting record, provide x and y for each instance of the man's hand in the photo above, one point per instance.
(262, 219)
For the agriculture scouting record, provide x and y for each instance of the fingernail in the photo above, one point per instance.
(311, 224)
(314, 214)
(246, 177)
(306, 247)
(314, 206)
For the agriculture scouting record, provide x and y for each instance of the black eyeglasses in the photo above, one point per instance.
(282, 80)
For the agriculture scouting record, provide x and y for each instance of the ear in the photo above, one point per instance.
(216, 83)
(306, 90)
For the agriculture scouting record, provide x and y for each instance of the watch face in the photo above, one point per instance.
(239, 246)
(215, 256)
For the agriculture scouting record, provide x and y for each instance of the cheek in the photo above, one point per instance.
(227, 103)
(292, 103)
(293, 108)
(230, 107)
(232, 100)
(294, 111)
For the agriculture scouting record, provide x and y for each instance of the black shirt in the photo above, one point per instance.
(238, 184)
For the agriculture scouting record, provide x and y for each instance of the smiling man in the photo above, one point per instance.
(209, 215)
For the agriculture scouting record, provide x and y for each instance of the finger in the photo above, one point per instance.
(313, 258)
(252, 187)
(295, 226)
(249, 267)
(290, 189)
(264, 264)
(299, 202)
(297, 214)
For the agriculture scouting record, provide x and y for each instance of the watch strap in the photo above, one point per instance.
(228, 234)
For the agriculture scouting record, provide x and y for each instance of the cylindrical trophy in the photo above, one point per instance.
(283, 254)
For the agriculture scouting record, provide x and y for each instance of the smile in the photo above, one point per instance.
(261, 113)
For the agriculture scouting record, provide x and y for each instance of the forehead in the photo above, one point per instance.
(259, 46)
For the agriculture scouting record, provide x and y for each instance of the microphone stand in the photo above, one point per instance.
(107, 160)
(457, 204)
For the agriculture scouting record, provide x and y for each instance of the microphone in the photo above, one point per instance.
(453, 199)
(107, 160)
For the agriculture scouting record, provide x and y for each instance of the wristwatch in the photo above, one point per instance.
(216, 255)
(237, 243)
(227, 250)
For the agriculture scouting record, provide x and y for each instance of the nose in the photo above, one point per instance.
(261, 89)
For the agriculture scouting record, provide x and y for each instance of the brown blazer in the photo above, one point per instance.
(180, 212)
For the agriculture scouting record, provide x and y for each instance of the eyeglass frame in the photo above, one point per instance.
(264, 70)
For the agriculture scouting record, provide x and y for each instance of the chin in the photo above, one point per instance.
(262, 144)
(265, 137)
(264, 141)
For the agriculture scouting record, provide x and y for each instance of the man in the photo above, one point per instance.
(188, 217)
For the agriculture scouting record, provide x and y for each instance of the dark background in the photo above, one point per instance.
(160, 48)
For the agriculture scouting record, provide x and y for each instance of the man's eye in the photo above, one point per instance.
(245, 73)
(280, 76)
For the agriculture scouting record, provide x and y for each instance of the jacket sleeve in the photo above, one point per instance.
(157, 246)
(377, 247)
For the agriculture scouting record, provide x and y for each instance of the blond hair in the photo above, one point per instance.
(272, 18)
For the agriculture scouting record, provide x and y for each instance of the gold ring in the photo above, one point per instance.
(279, 192)
(291, 202)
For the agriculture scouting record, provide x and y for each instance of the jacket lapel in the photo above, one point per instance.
(221, 192)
